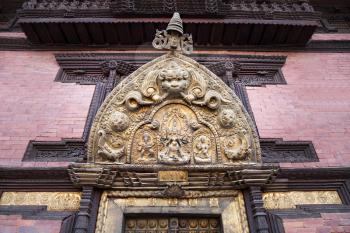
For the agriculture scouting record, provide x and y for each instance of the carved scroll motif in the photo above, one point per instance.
(173, 111)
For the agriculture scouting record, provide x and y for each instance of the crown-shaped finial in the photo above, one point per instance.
(173, 38)
(175, 24)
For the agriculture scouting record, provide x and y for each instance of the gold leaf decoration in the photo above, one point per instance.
(289, 200)
(55, 201)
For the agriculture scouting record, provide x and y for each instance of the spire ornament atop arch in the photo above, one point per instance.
(173, 111)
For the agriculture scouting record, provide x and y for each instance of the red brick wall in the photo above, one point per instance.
(34, 107)
(15, 224)
(315, 105)
(328, 223)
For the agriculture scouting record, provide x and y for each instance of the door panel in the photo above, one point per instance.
(173, 225)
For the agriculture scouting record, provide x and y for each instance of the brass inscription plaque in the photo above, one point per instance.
(173, 176)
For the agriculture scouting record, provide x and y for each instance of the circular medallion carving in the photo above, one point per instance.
(227, 118)
(119, 121)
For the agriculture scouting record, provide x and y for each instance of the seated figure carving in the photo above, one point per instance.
(107, 151)
(201, 149)
(173, 152)
(146, 147)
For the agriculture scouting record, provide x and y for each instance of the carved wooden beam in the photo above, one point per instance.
(127, 22)
(147, 177)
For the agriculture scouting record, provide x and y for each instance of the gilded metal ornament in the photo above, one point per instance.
(55, 201)
(228, 203)
(172, 176)
(173, 111)
(289, 200)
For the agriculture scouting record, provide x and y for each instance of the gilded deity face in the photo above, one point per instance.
(174, 79)
(227, 118)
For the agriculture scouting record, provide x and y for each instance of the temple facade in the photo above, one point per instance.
(205, 116)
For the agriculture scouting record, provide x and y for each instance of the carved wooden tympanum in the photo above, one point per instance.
(173, 111)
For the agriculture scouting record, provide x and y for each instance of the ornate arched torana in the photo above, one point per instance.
(172, 139)
(172, 114)
(173, 111)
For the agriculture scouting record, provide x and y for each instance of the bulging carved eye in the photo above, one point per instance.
(162, 75)
(184, 74)
(150, 90)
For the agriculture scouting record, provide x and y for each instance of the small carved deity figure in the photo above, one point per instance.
(173, 152)
(119, 121)
(146, 147)
(201, 149)
(226, 118)
(108, 152)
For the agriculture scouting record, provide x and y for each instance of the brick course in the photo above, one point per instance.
(15, 224)
(328, 223)
(314, 105)
(34, 107)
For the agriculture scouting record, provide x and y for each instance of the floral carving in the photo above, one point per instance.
(226, 118)
(235, 147)
(119, 121)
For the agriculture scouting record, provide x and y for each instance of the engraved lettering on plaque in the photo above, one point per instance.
(173, 176)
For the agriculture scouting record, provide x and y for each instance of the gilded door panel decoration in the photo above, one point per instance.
(197, 211)
(289, 200)
(55, 201)
(173, 224)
